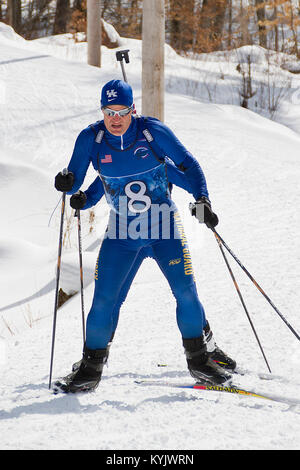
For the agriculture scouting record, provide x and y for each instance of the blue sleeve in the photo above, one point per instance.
(94, 193)
(81, 158)
(174, 149)
(177, 177)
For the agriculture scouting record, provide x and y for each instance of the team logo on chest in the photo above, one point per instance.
(141, 152)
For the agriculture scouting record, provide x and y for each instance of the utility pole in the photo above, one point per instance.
(94, 32)
(153, 43)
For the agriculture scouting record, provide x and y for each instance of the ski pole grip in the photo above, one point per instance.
(65, 171)
(123, 55)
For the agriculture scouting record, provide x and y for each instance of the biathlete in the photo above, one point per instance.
(137, 159)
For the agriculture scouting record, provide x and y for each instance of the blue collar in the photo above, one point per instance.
(124, 141)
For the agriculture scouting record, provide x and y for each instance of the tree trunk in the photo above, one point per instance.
(14, 14)
(134, 26)
(211, 23)
(78, 5)
(261, 18)
(245, 39)
(182, 24)
(229, 38)
(294, 28)
(175, 24)
(62, 15)
(276, 28)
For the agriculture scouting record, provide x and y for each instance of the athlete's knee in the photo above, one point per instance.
(186, 293)
(103, 300)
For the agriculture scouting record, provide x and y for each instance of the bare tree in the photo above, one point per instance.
(14, 14)
(261, 22)
(178, 16)
(37, 18)
(211, 23)
(78, 5)
(229, 33)
(275, 25)
(134, 18)
(62, 15)
(294, 24)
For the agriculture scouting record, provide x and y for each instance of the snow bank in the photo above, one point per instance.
(252, 169)
(7, 33)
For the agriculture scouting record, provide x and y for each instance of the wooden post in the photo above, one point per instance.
(153, 58)
(94, 32)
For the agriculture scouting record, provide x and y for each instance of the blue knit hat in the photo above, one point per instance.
(116, 92)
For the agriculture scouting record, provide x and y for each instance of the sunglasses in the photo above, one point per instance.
(111, 113)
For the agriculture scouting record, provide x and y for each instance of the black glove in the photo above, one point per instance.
(64, 182)
(78, 200)
(201, 209)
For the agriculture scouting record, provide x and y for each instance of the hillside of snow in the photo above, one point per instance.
(252, 168)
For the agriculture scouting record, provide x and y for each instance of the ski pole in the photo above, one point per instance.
(120, 56)
(242, 300)
(77, 214)
(219, 238)
(63, 202)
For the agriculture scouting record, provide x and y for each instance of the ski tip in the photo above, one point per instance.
(60, 387)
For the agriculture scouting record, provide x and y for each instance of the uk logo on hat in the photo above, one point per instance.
(116, 92)
(112, 94)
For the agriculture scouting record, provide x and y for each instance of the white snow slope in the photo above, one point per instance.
(253, 173)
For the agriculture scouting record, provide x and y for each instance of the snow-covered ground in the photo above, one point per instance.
(252, 168)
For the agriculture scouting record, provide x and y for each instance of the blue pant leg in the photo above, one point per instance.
(142, 254)
(145, 252)
(174, 262)
(116, 258)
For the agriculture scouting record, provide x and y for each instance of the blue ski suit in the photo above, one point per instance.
(134, 175)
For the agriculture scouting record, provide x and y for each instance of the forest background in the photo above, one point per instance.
(192, 26)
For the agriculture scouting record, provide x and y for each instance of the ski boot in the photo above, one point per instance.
(215, 353)
(201, 366)
(87, 376)
(77, 364)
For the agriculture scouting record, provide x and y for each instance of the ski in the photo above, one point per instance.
(62, 384)
(64, 387)
(59, 387)
(240, 371)
(262, 375)
(231, 389)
